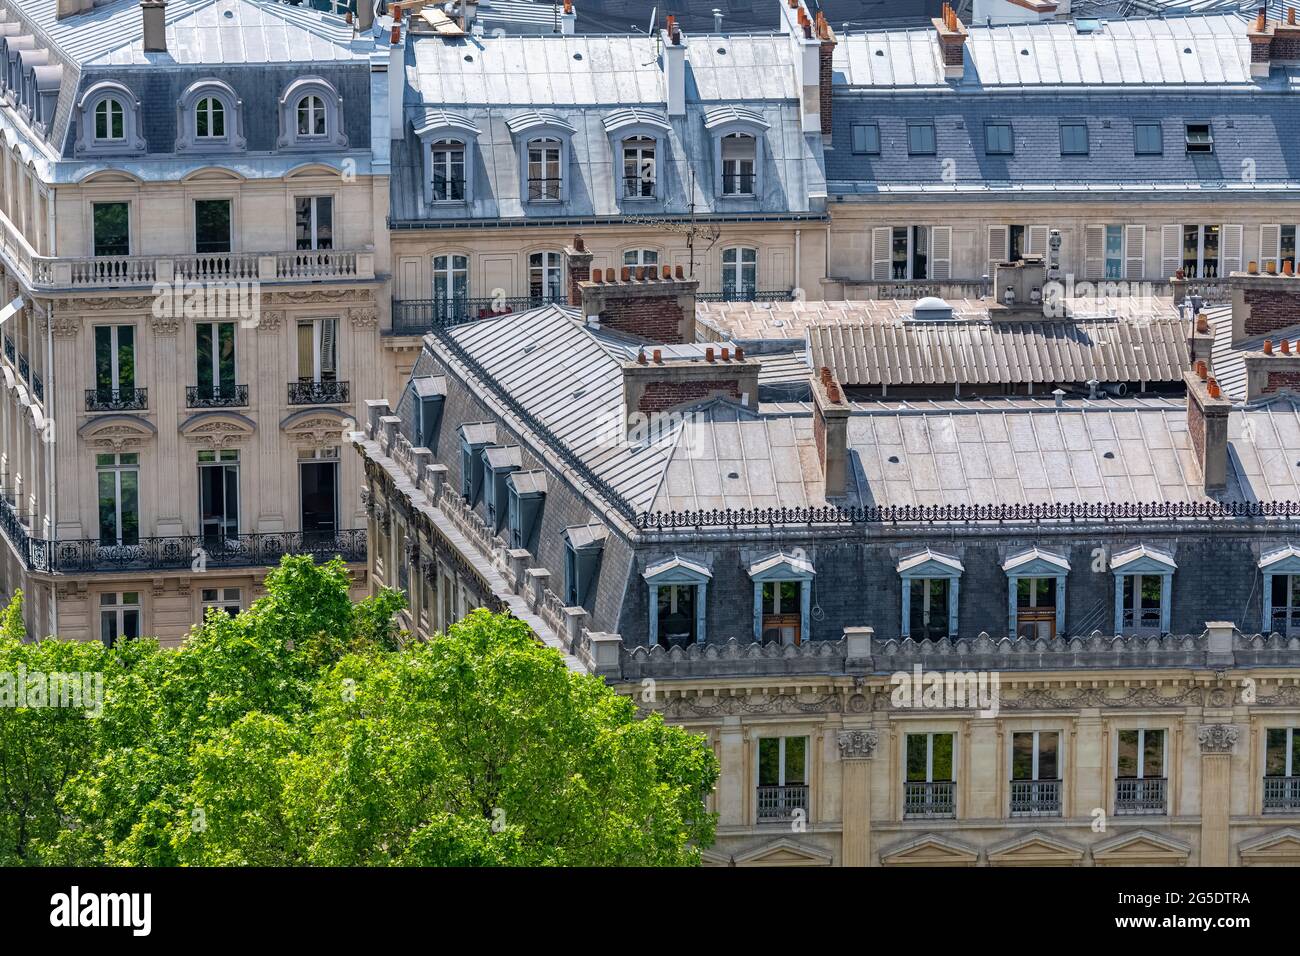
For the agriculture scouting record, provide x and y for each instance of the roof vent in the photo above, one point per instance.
(1086, 25)
(931, 309)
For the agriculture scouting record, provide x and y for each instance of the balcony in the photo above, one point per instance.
(11, 353)
(307, 392)
(38, 387)
(1281, 794)
(1035, 798)
(929, 800)
(180, 552)
(1140, 797)
(780, 803)
(117, 399)
(418, 316)
(221, 396)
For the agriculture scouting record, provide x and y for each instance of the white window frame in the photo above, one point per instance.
(742, 257)
(1141, 753)
(318, 341)
(442, 153)
(645, 151)
(119, 608)
(1060, 754)
(549, 268)
(117, 468)
(314, 201)
(222, 600)
(315, 110)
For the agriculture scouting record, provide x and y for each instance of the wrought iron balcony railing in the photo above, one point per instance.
(24, 369)
(116, 399)
(219, 396)
(746, 293)
(418, 316)
(780, 803)
(318, 393)
(11, 353)
(1140, 796)
(38, 386)
(185, 552)
(935, 799)
(1281, 794)
(1035, 798)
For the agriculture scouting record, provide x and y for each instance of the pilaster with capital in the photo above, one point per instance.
(857, 750)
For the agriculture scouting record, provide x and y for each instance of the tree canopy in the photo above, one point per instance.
(307, 731)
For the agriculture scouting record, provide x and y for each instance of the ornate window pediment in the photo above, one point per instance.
(108, 121)
(1036, 562)
(1143, 559)
(1140, 847)
(117, 433)
(317, 427)
(311, 116)
(930, 564)
(209, 118)
(930, 849)
(218, 429)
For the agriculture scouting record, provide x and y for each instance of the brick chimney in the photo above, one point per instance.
(1263, 303)
(831, 431)
(809, 37)
(1273, 43)
(952, 43)
(648, 302)
(674, 67)
(155, 26)
(653, 383)
(1207, 424)
(1274, 370)
(825, 71)
(578, 264)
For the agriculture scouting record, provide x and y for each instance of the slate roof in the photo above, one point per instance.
(1173, 70)
(589, 81)
(987, 451)
(1228, 360)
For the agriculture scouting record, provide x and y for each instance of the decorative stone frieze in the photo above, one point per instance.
(857, 744)
(1217, 738)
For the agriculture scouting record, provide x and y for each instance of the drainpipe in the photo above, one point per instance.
(52, 485)
(798, 260)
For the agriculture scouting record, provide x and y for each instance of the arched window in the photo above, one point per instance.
(447, 159)
(545, 277)
(544, 176)
(110, 121)
(209, 119)
(739, 273)
(311, 116)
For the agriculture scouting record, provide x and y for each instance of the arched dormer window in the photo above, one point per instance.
(638, 141)
(108, 120)
(311, 115)
(737, 150)
(542, 141)
(10, 47)
(42, 86)
(448, 143)
(208, 119)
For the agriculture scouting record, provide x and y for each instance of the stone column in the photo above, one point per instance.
(731, 777)
(857, 748)
(1217, 742)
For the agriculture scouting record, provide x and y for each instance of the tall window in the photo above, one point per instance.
(1114, 252)
(676, 612)
(1035, 773)
(450, 285)
(211, 225)
(739, 273)
(929, 608)
(110, 120)
(638, 168)
(1281, 770)
(318, 492)
(314, 217)
(448, 161)
(545, 276)
(1140, 772)
(782, 776)
(118, 477)
(1036, 607)
(928, 789)
(318, 350)
(544, 169)
(782, 612)
(119, 617)
(1285, 603)
(640, 257)
(1201, 252)
(112, 234)
(739, 151)
(909, 250)
(210, 118)
(311, 116)
(1142, 601)
(114, 362)
(215, 359)
(218, 497)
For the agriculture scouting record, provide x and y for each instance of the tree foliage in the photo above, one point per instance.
(306, 730)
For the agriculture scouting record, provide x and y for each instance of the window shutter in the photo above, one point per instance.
(940, 252)
(1036, 241)
(306, 365)
(327, 346)
(1230, 250)
(997, 250)
(1171, 250)
(1094, 252)
(1270, 246)
(1135, 252)
(880, 238)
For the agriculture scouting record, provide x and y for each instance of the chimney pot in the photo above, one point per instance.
(726, 355)
(1212, 387)
(1287, 268)
(1202, 370)
(1268, 346)
(659, 357)
(609, 275)
(640, 357)
(1202, 324)
(640, 273)
(708, 354)
(1286, 347)
(740, 354)
(396, 36)
(679, 273)
(579, 244)
(668, 272)
(626, 274)
(1261, 19)
(397, 14)
(1290, 16)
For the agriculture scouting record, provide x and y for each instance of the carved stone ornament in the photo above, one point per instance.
(366, 318)
(1217, 738)
(857, 744)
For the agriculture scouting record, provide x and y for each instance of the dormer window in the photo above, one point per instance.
(210, 119)
(311, 116)
(639, 168)
(1200, 139)
(110, 120)
(738, 150)
(447, 157)
(544, 177)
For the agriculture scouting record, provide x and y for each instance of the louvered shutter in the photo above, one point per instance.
(1036, 241)
(1135, 252)
(880, 237)
(1230, 240)
(1171, 250)
(941, 252)
(1270, 247)
(997, 249)
(1094, 252)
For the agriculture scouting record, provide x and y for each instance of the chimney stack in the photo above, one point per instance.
(667, 383)
(675, 67)
(1272, 371)
(568, 19)
(1207, 425)
(654, 305)
(155, 27)
(831, 431)
(952, 43)
(578, 265)
(365, 18)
